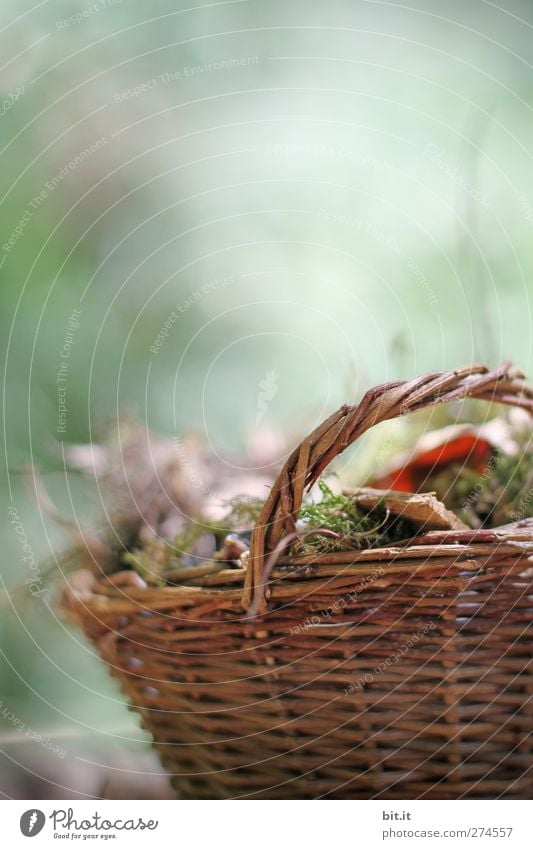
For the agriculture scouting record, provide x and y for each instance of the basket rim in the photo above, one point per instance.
(450, 554)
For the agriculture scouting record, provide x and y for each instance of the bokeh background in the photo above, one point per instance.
(198, 198)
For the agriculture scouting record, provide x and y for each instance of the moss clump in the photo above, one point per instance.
(347, 525)
(244, 514)
(201, 544)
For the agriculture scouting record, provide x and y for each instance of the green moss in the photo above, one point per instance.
(142, 562)
(353, 528)
(195, 545)
(243, 514)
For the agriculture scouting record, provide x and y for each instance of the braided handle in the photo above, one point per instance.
(276, 525)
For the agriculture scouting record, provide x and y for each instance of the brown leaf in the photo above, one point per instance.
(423, 510)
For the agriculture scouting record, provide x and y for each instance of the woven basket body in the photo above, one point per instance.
(387, 673)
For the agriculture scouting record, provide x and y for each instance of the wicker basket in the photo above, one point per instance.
(400, 672)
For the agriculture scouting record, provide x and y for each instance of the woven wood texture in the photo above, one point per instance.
(400, 672)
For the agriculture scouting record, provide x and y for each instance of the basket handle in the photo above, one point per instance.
(275, 529)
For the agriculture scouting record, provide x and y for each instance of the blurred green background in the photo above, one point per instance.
(197, 196)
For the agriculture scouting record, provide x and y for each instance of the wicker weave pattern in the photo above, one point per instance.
(398, 672)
